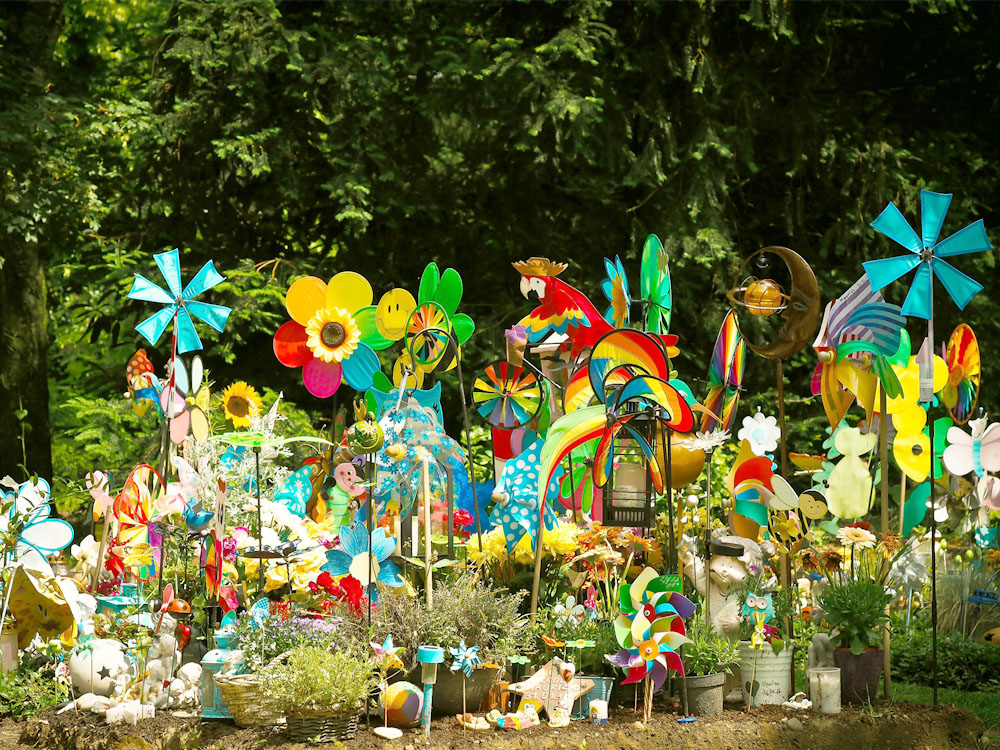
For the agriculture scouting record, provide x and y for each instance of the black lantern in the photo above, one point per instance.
(628, 495)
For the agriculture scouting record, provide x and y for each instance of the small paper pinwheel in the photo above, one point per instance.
(179, 303)
(387, 655)
(466, 658)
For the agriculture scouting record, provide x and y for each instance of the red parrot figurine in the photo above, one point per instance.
(564, 309)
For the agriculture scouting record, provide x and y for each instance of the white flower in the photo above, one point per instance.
(761, 432)
(705, 441)
(85, 553)
(569, 613)
(856, 538)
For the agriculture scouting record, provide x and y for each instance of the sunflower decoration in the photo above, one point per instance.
(332, 335)
(241, 402)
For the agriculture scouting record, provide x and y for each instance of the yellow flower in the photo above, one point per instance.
(240, 402)
(332, 335)
(562, 540)
(139, 556)
(494, 547)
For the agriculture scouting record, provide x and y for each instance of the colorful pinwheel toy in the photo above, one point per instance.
(465, 658)
(387, 655)
(40, 535)
(133, 510)
(927, 255)
(367, 567)
(615, 288)
(964, 372)
(179, 304)
(186, 402)
(507, 396)
(725, 376)
(654, 285)
(650, 629)
(331, 333)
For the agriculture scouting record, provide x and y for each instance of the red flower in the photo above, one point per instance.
(313, 588)
(325, 580)
(355, 594)
(860, 525)
(461, 521)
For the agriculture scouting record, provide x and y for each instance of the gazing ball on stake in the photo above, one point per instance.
(686, 463)
(764, 297)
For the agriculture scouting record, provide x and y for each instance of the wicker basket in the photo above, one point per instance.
(320, 727)
(245, 701)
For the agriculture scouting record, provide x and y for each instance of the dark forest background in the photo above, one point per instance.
(379, 136)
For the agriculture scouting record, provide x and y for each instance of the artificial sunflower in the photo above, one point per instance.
(240, 402)
(332, 334)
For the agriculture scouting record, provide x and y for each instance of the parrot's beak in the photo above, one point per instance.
(525, 286)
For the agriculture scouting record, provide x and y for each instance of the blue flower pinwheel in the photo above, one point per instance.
(928, 255)
(353, 558)
(465, 658)
(179, 303)
(615, 288)
(40, 535)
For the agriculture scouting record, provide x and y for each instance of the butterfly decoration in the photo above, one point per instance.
(296, 490)
(186, 402)
(40, 535)
(465, 658)
(725, 375)
(178, 303)
(978, 452)
(387, 655)
(143, 385)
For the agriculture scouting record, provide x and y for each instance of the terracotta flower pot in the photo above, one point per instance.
(859, 675)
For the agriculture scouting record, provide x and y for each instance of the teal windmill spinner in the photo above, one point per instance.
(927, 255)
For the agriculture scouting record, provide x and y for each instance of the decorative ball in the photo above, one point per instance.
(763, 298)
(685, 463)
(991, 637)
(365, 436)
(401, 704)
(94, 669)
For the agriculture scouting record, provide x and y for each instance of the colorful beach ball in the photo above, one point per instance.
(401, 704)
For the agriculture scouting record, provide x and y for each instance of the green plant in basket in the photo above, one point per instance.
(708, 652)
(308, 680)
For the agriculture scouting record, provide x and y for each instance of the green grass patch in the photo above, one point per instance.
(985, 705)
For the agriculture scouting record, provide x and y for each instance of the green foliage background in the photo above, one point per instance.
(380, 136)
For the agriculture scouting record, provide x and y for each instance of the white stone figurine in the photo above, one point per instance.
(820, 652)
(726, 575)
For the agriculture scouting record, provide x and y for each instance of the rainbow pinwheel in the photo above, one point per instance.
(927, 255)
(964, 373)
(615, 288)
(179, 303)
(133, 510)
(629, 371)
(650, 629)
(725, 376)
(466, 658)
(332, 333)
(387, 655)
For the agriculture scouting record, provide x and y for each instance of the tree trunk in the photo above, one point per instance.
(24, 388)
(31, 32)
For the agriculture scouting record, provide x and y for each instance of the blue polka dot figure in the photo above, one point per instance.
(517, 510)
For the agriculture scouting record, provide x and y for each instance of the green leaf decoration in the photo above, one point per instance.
(654, 285)
(429, 281)
(365, 318)
(382, 382)
(463, 326)
(449, 291)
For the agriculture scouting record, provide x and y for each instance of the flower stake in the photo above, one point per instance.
(465, 659)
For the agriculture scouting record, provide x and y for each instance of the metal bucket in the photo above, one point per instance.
(772, 674)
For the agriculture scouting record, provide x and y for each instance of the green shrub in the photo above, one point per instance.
(963, 664)
(708, 652)
(25, 693)
(314, 679)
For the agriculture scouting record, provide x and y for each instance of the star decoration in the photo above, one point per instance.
(104, 672)
(548, 687)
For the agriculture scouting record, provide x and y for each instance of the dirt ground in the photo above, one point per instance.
(901, 725)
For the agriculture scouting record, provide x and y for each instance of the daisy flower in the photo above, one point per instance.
(856, 538)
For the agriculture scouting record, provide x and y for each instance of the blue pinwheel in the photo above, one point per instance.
(39, 534)
(465, 658)
(927, 255)
(180, 304)
(365, 558)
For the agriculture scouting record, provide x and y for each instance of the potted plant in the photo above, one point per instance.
(707, 658)
(320, 692)
(765, 612)
(854, 605)
(465, 610)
